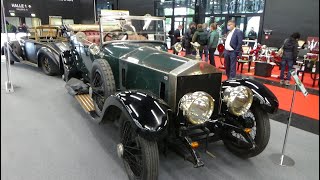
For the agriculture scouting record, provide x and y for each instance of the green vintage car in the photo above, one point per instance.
(120, 71)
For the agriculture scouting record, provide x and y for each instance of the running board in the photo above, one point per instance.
(29, 63)
(86, 102)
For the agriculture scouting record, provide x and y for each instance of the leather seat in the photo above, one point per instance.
(93, 36)
(136, 37)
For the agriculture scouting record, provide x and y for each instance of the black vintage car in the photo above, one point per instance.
(42, 49)
(161, 101)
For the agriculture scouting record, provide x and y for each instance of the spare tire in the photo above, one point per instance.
(5, 53)
(16, 48)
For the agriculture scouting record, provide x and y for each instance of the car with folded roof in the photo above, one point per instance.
(42, 47)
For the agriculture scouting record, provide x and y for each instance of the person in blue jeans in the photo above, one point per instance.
(213, 42)
(290, 53)
(187, 39)
(205, 47)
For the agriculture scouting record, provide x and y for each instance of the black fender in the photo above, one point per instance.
(13, 55)
(261, 94)
(148, 113)
(50, 53)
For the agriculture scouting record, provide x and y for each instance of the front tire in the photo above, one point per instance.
(261, 137)
(140, 156)
(48, 66)
(102, 83)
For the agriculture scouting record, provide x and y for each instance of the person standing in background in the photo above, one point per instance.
(171, 37)
(205, 47)
(188, 37)
(23, 28)
(252, 35)
(177, 36)
(233, 48)
(213, 42)
(201, 37)
(11, 28)
(290, 53)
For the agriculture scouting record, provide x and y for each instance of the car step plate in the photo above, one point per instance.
(86, 102)
(29, 63)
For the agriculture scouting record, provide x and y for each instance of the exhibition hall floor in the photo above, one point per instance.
(45, 135)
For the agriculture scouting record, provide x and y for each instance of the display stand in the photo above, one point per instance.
(8, 83)
(282, 159)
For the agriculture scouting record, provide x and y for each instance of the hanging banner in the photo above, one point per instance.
(22, 8)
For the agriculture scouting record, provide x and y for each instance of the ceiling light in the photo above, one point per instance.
(12, 14)
(33, 15)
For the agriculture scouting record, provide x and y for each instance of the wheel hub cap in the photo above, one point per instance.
(120, 150)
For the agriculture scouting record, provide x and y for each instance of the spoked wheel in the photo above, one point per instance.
(48, 67)
(140, 156)
(102, 83)
(238, 143)
(98, 89)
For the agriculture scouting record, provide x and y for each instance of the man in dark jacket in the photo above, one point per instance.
(188, 37)
(178, 33)
(233, 48)
(252, 35)
(170, 33)
(177, 36)
(290, 53)
(200, 36)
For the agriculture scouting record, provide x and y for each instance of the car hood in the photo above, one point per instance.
(154, 56)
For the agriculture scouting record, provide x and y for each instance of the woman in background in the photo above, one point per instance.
(290, 53)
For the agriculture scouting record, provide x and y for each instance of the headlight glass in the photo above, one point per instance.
(197, 106)
(238, 99)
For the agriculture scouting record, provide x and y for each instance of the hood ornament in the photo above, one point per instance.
(196, 46)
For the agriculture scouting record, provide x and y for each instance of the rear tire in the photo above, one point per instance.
(48, 66)
(16, 48)
(4, 52)
(261, 138)
(140, 156)
(102, 83)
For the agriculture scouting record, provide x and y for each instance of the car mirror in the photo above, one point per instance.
(94, 49)
(81, 37)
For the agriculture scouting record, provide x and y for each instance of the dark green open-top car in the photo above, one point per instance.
(120, 72)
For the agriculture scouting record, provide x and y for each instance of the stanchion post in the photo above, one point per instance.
(8, 83)
(286, 160)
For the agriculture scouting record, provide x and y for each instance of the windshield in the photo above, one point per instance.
(132, 28)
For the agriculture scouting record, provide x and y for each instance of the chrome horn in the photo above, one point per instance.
(177, 47)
